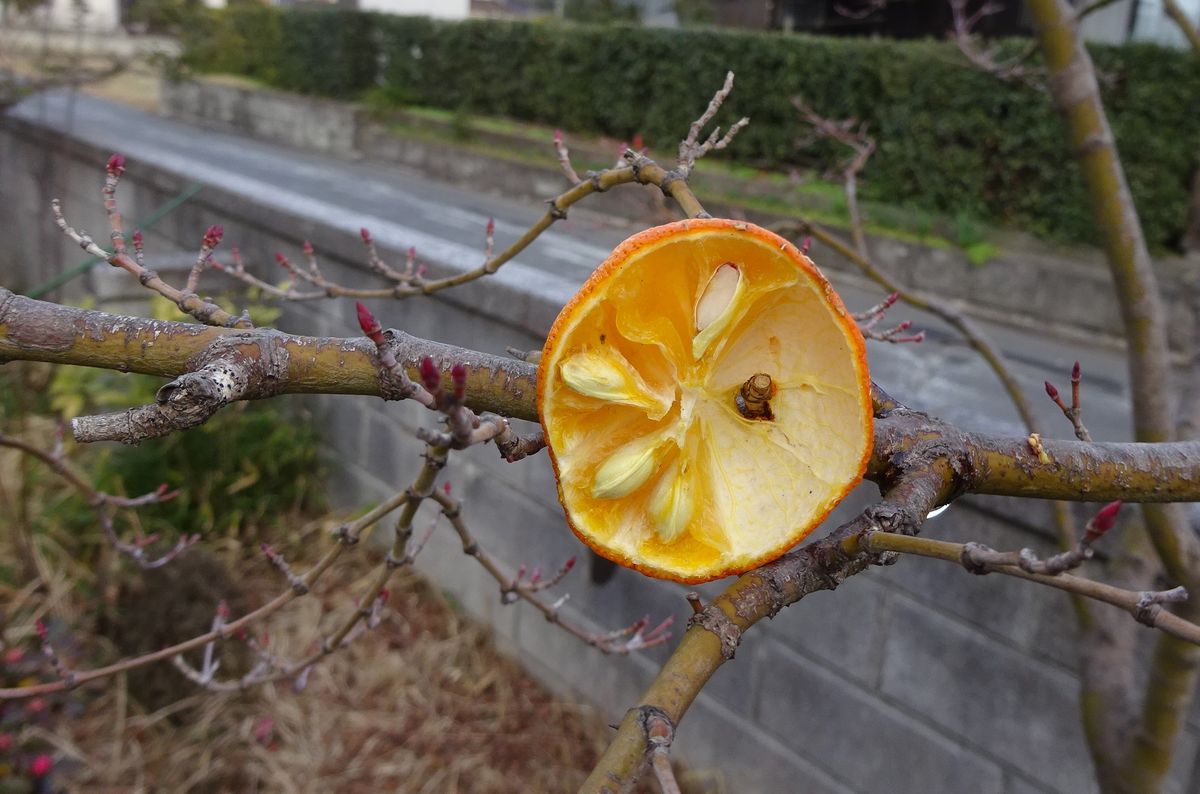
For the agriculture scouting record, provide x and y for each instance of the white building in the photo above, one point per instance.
(441, 9)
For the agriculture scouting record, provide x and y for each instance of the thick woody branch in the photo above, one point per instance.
(34, 330)
(715, 632)
(1189, 28)
(38, 331)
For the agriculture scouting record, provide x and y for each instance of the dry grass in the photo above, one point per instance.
(424, 703)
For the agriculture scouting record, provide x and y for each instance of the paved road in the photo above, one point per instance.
(445, 223)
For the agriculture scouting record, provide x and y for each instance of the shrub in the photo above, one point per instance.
(951, 139)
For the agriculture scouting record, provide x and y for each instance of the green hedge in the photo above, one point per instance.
(951, 139)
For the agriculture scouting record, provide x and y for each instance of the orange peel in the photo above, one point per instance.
(673, 455)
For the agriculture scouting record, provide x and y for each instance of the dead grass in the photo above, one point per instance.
(424, 703)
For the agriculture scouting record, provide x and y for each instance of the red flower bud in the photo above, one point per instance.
(491, 227)
(458, 375)
(213, 236)
(116, 164)
(137, 239)
(1050, 390)
(558, 136)
(430, 375)
(368, 323)
(446, 488)
(805, 245)
(569, 564)
(280, 259)
(308, 247)
(40, 766)
(366, 235)
(42, 632)
(1076, 371)
(1103, 521)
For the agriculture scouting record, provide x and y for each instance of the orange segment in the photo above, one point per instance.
(664, 462)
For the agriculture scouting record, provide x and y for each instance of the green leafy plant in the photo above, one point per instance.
(952, 139)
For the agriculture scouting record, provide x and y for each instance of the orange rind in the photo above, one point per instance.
(673, 454)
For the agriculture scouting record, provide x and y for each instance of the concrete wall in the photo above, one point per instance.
(1028, 283)
(911, 679)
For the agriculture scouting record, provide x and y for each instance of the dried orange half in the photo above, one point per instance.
(673, 454)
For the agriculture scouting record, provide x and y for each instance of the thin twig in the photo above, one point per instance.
(1136, 603)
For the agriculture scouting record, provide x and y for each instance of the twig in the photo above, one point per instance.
(1141, 605)
(637, 636)
(964, 35)
(691, 148)
(1074, 412)
(634, 166)
(660, 733)
(564, 158)
(188, 302)
(102, 503)
(347, 535)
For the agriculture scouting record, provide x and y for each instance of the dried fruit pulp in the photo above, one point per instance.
(657, 467)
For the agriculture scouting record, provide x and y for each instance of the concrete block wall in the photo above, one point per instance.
(909, 679)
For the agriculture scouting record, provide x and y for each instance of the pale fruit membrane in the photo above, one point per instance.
(658, 467)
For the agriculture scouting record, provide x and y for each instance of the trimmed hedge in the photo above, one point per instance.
(951, 139)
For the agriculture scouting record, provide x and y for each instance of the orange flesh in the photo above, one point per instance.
(657, 469)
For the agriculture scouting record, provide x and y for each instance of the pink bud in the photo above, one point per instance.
(308, 247)
(137, 239)
(624, 148)
(889, 300)
(904, 326)
(491, 227)
(430, 375)
(446, 488)
(40, 766)
(807, 244)
(13, 656)
(638, 143)
(421, 270)
(368, 323)
(222, 609)
(42, 632)
(366, 235)
(458, 375)
(412, 252)
(263, 729)
(1051, 390)
(1076, 371)
(558, 136)
(384, 595)
(1104, 520)
(569, 564)
(280, 259)
(213, 236)
(36, 706)
(116, 164)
